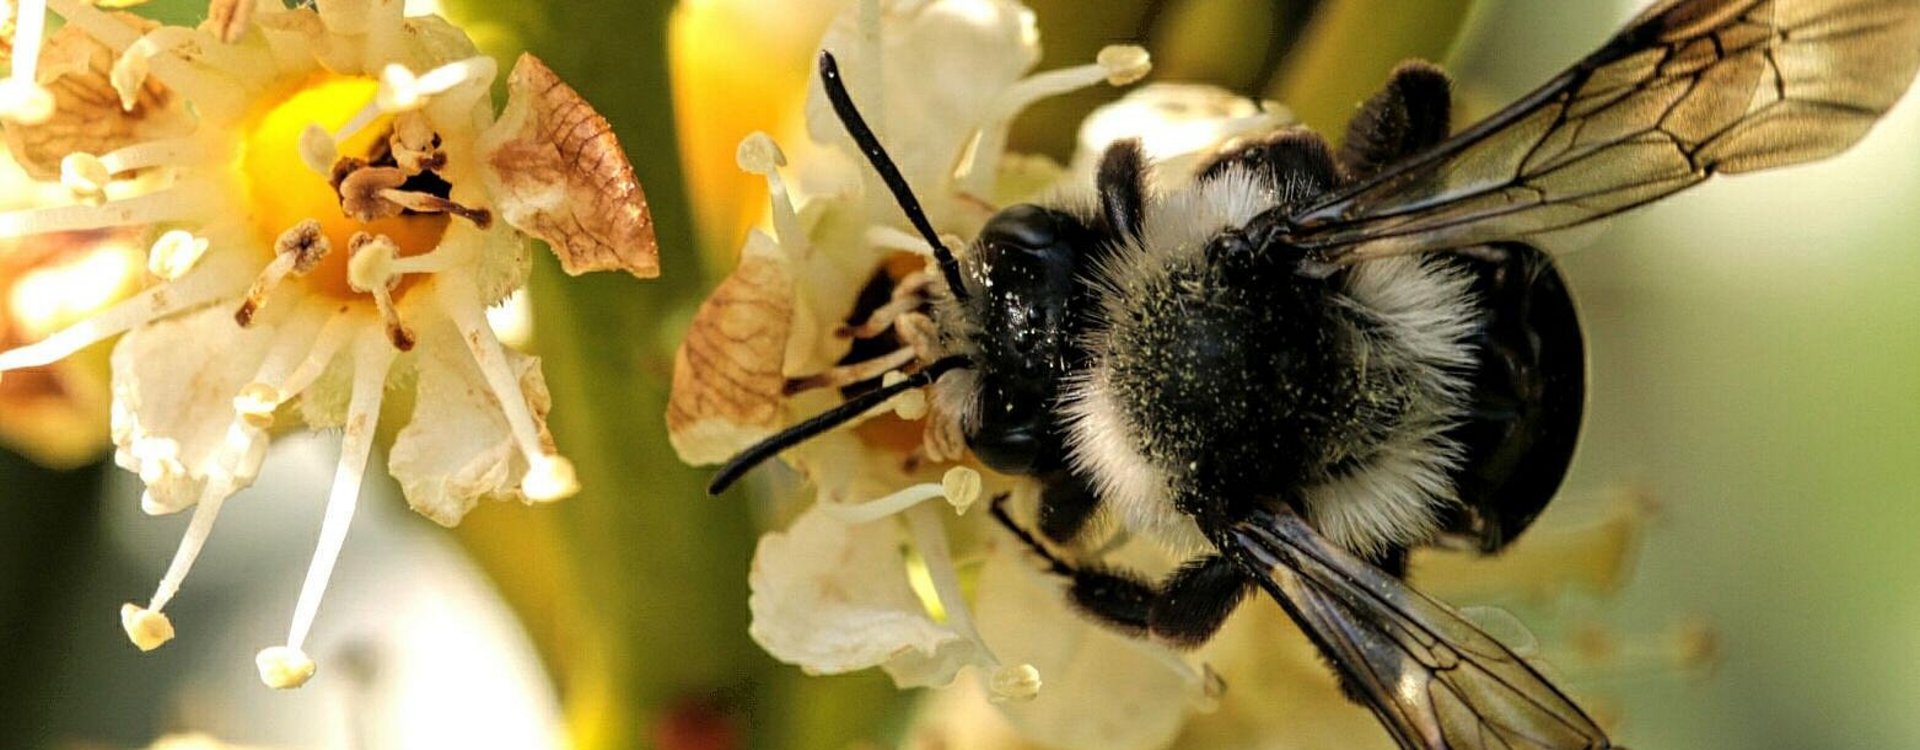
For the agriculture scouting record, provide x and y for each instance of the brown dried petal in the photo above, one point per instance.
(87, 114)
(727, 379)
(559, 174)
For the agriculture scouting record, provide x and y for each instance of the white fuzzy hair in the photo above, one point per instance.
(1421, 313)
(1425, 312)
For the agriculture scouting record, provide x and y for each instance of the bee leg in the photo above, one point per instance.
(1122, 186)
(1194, 602)
(1184, 611)
(1117, 599)
(1066, 504)
(1296, 163)
(1411, 114)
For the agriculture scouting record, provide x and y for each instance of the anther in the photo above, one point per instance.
(415, 147)
(1018, 683)
(549, 478)
(361, 191)
(129, 73)
(319, 151)
(296, 252)
(175, 253)
(284, 667)
(962, 487)
(85, 175)
(1125, 63)
(402, 91)
(370, 270)
(760, 154)
(909, 405)
(256, 404)
(146, 628)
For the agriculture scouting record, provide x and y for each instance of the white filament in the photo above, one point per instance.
(372, 357)
(456, 297)
(194, 290)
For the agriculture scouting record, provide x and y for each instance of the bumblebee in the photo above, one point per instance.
(1312, 360)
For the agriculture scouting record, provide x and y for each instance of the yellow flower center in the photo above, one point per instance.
(283, 191)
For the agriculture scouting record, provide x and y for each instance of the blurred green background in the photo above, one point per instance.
(1755, 367)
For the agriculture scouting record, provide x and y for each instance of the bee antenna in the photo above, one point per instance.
(743, 462)
(877, 156)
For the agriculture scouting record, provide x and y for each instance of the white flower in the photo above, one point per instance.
(340, 208)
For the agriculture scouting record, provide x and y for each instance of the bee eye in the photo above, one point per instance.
(1024, 226)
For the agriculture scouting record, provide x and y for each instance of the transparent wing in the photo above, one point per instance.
(1690, 89)
(1434, 679)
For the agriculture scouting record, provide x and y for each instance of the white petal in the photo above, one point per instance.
(173, 387)
(1177, 124)
(458, 447)
(834, 598)
(1103, 691)
(943, 64)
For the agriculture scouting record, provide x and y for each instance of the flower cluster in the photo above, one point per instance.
(329, 205)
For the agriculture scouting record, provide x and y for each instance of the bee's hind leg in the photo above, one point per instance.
(1183, 611)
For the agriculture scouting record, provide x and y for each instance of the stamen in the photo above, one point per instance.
(289, 667)
(1017, 684)
(284, 667)
(149, 305)
(215, 97)
(130, 70)
(962, 486)
(549, 476)
(760, 154)
(295, 343)
(198, 529)
(179, 203)
(152, 154)
(370, 270)
(260, 399)
(86, 176)
(318, 150)
(909, 405)
(874, 510)
(414, 145)
(147, 629)
(907, 297)
(857, 372)
(402, 91)
(176, 253)
(1020, 682)
(360, 187)
(361, 119)
(296, 252)
(428, 203)
(1117, 65)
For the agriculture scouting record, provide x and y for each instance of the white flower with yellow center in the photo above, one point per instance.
(332, 206)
